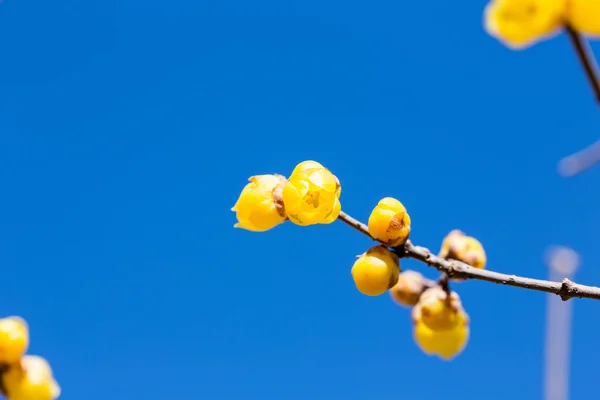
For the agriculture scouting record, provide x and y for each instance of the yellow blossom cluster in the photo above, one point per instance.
(24, 376)
(440, 324)
(521, 23)
(311, 196)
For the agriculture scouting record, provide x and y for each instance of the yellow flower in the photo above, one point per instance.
(335, 213)
(305, 166)
(308, 165)
(437, 311)
(376, 271)
(456, 245)
(584, 16)
(452, 243)
(31, 379)
(408, 289)
(14, 339)
(311, 195)
(260, 207)
(389, 222)
(520, 23)
(444, 344)
(474, 254)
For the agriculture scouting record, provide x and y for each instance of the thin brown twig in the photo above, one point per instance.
(586, 58)
(566, 289)
(588, 157)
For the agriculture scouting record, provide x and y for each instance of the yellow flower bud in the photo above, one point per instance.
(305, 166)
(260, 206)
(444, 344)
(437, 311)
(452, 244)
(376, 271)
(337, 208)
(389, 222)
(31, 379)
(408, 289)
(520, 23)
(584, 16)
(311, 196)
(463, 248)
(14, 339)
(474, 254)
(308, 165)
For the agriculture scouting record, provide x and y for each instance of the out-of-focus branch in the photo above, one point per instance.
(590, 156)
(580, 161)
(586, 58)
(566, 289)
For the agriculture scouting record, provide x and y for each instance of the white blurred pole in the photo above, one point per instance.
(563, 263)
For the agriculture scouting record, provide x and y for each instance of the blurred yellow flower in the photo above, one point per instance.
(445, 344)
(456, 245)
(445, 340)
(521, 23)
(408, 289)
(14, 339)
(31, 379)
(584, 16)
(437, 311)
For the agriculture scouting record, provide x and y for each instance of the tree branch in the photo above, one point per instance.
(580, 161)
(566, 289)
(590, 156)
(586, 58)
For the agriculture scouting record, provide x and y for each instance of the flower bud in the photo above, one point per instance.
(452, 244)
(408, 289)
(311, 196)
(14, 339)
(438, 311)
(389, 222)
(444, 344)
(520, 23)
(260, 206)
(305, 166)
(463, 248)
(31, 379)
(335, 213)
(584, 16)
(308, 165)
(376, 271)
(474, 254)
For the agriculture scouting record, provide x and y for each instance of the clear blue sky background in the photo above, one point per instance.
(128, 129)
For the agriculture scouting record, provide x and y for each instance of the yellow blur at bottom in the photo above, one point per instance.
(445, 344)
(32, 379)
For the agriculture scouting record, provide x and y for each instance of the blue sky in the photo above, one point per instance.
(129, 128)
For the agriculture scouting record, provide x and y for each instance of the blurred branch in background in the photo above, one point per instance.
(590, 156)
(562, 262)
(586, 58)
(580, 161)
